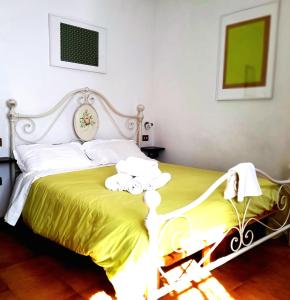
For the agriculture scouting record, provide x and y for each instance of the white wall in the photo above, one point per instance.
(194, 127)
(25, 73)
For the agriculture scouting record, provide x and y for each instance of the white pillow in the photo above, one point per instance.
(103, 152)
(40, 157)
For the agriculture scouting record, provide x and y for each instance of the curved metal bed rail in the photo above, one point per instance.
(151, 203)
(241, 243)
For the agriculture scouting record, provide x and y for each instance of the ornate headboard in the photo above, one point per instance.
(85, 118)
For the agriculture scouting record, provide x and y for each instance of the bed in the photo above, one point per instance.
(133, 236)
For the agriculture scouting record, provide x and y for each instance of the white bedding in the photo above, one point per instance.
(39, 160)
(41, 157)
(21, 191)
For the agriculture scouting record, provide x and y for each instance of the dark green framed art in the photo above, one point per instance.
(247, 52)
(77, 45)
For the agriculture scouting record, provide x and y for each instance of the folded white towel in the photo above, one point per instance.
(242, 182)
(137, 185)
(135, 166)
(142, 162)
(231, 189)
(137, 175)
(158, 182)
(117, 182)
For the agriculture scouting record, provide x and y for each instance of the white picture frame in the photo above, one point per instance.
(265, 90)
(97, 51)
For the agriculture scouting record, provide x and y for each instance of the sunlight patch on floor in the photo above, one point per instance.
(213, 289)
(100, 296)
(200, 285)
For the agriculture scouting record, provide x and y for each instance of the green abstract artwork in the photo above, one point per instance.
(246, 53)
(79, 45)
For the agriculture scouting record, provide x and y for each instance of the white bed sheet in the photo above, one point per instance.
(21, 190)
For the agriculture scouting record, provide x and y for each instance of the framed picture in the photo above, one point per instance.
(77, 45)
(247, 53)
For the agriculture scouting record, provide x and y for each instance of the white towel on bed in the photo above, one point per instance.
(137, 185)
(158, 182)
(136, 175)
(117, 182)
(135, 166)
(242, 182)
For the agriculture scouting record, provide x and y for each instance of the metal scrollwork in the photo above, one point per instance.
(29, 126)
(174, 237)
(86, 97)
(91, 99)
(246, 236)
(82, 96)
(282, 201)
(177, 234)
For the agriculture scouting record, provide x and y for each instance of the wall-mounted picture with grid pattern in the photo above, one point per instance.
(77, 45)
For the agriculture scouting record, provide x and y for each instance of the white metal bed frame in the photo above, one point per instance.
(81, 96)
(156, 223)
(239, 244)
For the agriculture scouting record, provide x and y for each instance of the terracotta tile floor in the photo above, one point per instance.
(34, 268)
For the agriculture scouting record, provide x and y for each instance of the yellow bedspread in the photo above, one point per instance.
(76, 210)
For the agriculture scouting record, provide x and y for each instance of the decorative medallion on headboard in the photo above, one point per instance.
(86, 122)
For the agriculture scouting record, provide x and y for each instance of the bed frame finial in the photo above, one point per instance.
(140, 108)
(11, 103)
(140, 116)
(152, 199)
(86, 89)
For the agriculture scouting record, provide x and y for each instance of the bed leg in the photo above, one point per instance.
(158, 280)
(205, 252)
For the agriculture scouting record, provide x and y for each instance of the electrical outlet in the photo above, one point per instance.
(145, 137)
